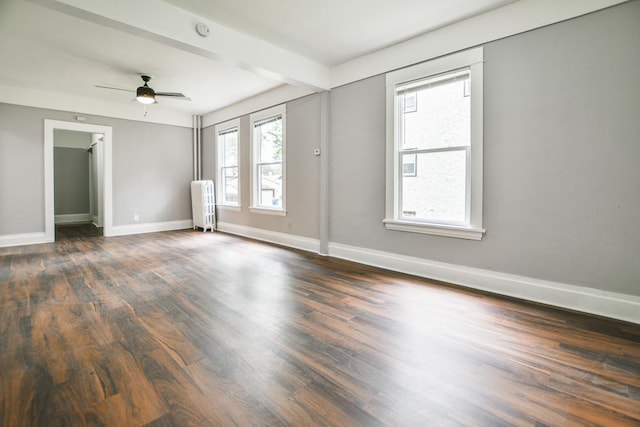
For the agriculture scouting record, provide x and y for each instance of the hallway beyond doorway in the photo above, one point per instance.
(76, 231)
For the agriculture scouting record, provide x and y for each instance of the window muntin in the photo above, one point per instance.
(228, 156)
(268, 140)
(434, 140)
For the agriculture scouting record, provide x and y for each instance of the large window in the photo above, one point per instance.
(228, 170)
(434, 141)
(268, 141)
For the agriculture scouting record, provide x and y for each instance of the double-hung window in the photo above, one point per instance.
(268, 142)
(228, 162)
(434, 147)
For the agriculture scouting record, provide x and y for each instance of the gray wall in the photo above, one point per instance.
(21, 171)
(303, 172)
(357, 166)
(153, 174)
(562, 143)
(71, 139)
(561, 179)
(71, 180)
(152, 169)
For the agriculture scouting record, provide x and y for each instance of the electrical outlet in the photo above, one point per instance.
(136, 217)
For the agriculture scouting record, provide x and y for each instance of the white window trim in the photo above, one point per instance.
(267, 211)
(278, 110)
(222, 127)
(473, 59)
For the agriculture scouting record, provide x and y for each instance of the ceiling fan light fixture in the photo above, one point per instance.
(145, 95)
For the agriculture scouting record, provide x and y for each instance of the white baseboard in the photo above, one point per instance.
(150, 227)
(23, 239)
(588, 300)
(71, 218)
(284, 239)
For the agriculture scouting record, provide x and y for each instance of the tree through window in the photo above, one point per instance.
(268, 140)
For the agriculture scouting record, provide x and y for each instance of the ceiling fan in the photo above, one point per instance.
(147, 95)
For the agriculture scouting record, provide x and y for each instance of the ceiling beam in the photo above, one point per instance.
(167, 24)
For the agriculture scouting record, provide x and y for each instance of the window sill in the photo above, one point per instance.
(229, 208)
(435, 229)
(266, 211)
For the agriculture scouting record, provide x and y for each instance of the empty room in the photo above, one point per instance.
(305, 213)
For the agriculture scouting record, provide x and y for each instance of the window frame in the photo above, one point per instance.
(219, 129)
(473, 60)
(261, 116)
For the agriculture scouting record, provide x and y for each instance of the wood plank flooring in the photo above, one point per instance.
(76, 231)
(205, 329)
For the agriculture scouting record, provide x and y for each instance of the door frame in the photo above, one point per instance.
(107, 196)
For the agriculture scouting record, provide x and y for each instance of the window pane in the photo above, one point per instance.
(409, 164)
(269, 135)
(270, 186)
(442, 113)
(437, 190)
(230, 147)
(230, 185)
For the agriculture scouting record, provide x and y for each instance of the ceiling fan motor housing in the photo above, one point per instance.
(145, 93)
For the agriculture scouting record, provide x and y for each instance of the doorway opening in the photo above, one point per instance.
(77, 183)
(78, 186)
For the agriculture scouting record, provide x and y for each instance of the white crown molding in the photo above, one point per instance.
(90, 106)
(514, 18)
(284, 239)
(267, 99)
(588, 300)
(303, 75)
(23, 239)
(271, 61)
(150, 227)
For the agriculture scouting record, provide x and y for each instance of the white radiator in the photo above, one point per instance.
(203, 202)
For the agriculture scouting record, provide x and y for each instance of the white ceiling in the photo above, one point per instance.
(63, 48)
(334, 31)
(48, 50)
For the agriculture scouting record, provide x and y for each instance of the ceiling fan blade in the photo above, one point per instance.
(114, 88)
(174, 95)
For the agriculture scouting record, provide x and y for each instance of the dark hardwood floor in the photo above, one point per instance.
(205, 329)
(76, 231)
